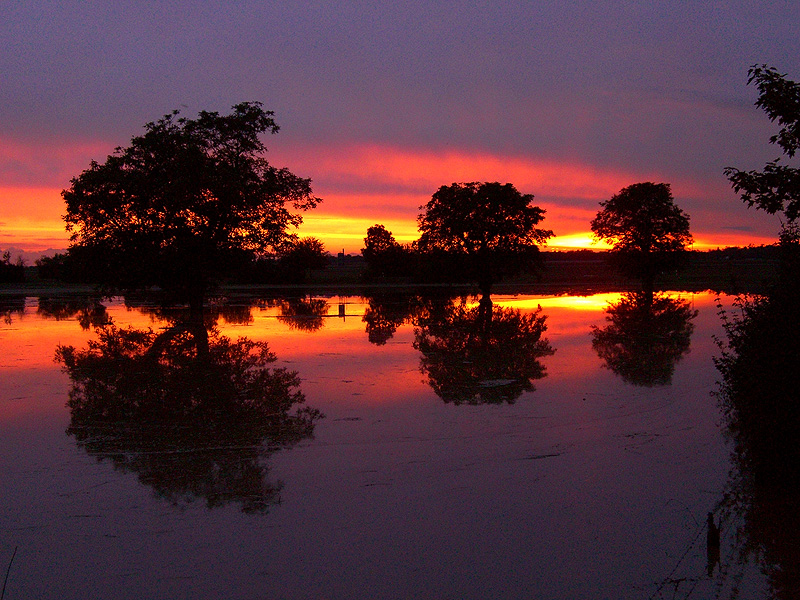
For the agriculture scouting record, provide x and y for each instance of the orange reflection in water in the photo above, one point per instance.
(335, 359)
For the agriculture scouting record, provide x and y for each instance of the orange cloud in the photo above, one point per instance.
(390, 185)
(30, 218)
(369, 184)
(426, 171)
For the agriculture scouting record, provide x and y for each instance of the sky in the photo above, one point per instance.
(380, 104)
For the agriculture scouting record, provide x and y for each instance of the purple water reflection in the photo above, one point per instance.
(587, 487)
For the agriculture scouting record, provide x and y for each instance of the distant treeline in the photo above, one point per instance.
(733, 269)
(768, 252)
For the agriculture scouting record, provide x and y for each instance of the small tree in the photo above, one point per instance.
(647, 231)
(384, 255)
(488, 228)
(302, 256)
(185, 203)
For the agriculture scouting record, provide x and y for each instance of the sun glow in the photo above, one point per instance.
(30, 218)
(371, 184)
(576, 241)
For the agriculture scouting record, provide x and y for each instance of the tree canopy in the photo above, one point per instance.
(186, 201)
(647, 231)
(490, 227)
(776, 189)
(384, 255)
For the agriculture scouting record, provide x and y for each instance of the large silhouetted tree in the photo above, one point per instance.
(647, 231)
(185, 202)
(776, 189)
(488, 229)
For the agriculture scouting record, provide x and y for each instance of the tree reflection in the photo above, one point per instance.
(192, 412)
(304, 314)
(89, 312)
(11, 306)
(159, 307)
(760, 365)
(385, 313)
(481, 355)
(647, 334)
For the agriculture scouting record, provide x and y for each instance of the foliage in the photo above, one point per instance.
(487, 229)
(776, 189)
(192, 413)
(11, 272)
(52, 267)
(79, 264)
(647, 231)
(384, 256)
(379, 241)
(305, 254)
(645, 337)
(760, 367)
(482, 354)
(185, 202)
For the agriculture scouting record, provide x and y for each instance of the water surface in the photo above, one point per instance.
(452, 461)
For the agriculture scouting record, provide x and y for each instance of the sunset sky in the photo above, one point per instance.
(382, 103)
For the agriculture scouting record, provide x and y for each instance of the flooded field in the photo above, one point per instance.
(386, 447)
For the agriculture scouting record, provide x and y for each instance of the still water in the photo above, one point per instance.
(423, 449)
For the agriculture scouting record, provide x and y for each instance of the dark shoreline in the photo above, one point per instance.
(574, 273)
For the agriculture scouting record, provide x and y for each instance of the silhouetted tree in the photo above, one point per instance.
(760, 366)
(79, 264)
(52, 267)
(483, 354)
(302, 256)
(645, 337)
(487, 230)
(648, 232)
(185, 203)
(776, 189)
(193, 414)
(384, 256)
(11, 272)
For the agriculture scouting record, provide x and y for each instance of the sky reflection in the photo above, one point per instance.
(586, 487)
